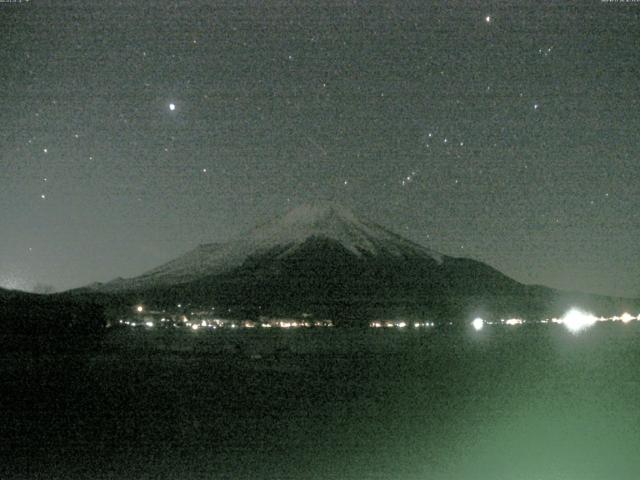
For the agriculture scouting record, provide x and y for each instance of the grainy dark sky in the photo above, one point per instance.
(505, 131)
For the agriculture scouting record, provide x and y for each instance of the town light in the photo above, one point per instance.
(576, 320)
(477, 324)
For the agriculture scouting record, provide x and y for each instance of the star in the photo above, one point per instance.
(488, 19)
(45, 150)
(172, 106)
(43, 196)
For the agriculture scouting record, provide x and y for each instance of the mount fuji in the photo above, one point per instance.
(283, 238)
(323, 260)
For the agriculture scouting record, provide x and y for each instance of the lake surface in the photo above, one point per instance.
(528, 402)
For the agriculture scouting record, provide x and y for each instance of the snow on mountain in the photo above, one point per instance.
(287, 233)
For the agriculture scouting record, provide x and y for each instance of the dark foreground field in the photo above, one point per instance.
(523, 403)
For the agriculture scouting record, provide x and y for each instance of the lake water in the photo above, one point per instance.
(528, 402)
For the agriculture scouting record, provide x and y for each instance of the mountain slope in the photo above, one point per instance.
(325, 261)
(284, 235)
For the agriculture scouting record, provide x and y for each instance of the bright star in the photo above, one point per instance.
(488, 18)
(172, 106)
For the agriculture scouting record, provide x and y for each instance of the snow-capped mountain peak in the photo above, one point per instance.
(334, 222)
(285, 234)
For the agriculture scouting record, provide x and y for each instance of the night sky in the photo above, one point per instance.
(504, 131)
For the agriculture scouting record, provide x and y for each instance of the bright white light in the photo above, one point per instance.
(172, 106)
(514, 321)
(149, 324)
(401, 324)
(478, 323)
(487, 18)
(139, 309)
(195, 326)
(576, 320)
(626, 317)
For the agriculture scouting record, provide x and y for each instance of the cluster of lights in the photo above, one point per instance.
(399, 324)
(215, 323)
(297, 324)
(513, 321)
(574, 320)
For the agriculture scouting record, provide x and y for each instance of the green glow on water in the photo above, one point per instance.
(533, 402)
